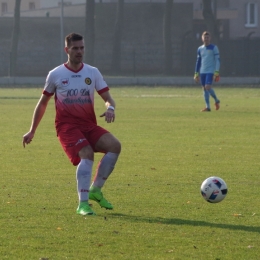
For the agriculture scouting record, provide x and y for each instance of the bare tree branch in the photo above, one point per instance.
(167, 29)
(90, 32)
(15, 38)
(116, 53)
(210, 19)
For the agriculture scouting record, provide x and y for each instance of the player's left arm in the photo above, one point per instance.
(110, 105)
(217, 63)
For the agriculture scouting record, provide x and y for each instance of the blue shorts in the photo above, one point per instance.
(206, 79)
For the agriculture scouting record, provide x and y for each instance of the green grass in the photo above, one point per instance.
(168, 149)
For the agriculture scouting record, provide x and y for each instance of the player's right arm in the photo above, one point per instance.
(36, 119)
(197, 67)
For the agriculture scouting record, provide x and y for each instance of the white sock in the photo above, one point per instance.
(105, 168)
(83, 175)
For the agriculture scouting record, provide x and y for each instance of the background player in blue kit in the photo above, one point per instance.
(207, 69)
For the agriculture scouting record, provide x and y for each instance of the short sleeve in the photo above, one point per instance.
(50, 85)
(99, 81)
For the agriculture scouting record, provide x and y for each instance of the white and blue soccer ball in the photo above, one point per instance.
(214, 189)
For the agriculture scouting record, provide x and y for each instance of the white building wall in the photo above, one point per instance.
(236, 13)
(24, 5)
(238, 27)
(55, 3)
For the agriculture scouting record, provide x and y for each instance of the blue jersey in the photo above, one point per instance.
(208, 60)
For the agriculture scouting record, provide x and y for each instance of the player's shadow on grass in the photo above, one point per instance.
(180, 222)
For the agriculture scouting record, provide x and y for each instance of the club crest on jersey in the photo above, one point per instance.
(88, 81)
(65, 82)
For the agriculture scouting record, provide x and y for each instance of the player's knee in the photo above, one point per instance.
(108, 143)
(116, 146)
(86, 153)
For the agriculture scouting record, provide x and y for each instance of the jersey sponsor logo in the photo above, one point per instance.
(76, 76)
(75, 92)
(84, 92)
(65, 82)
(72, 92)
(78, 101)
(88, 81)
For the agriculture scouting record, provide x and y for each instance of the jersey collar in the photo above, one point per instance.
(75, 71)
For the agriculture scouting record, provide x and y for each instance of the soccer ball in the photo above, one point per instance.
(214, 189)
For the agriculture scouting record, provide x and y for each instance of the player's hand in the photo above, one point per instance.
(216, 76)
(109, 116)
(27, 138)
(196, 77)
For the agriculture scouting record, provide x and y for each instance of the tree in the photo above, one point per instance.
(210, 19)
(167, 29)
(15, 38)
(90, 31)
(116, 52)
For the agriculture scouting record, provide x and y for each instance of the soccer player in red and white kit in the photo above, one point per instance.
(73, 84)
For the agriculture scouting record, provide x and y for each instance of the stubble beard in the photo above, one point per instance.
(76, 61)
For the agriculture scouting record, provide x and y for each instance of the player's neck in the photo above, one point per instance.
(73, 66)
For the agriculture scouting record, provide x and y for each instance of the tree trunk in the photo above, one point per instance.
(167, 30)
(210, 20)
(15, 39)
(116, 53)
(89, 36)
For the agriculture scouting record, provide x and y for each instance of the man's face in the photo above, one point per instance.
(206, 39)
(75, 51)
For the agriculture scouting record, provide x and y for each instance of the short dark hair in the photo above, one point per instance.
(72, 37)
(205, 33)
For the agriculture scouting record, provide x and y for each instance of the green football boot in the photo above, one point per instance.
(96, 195)
(84, 209)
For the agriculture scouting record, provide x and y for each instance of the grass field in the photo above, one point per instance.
(168, 148)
